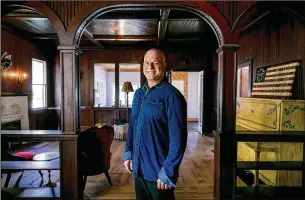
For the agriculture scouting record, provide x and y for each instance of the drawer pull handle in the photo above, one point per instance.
(252, 111)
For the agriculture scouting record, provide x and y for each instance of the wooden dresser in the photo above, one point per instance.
(257, 114)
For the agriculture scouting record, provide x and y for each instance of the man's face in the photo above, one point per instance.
(153, 66)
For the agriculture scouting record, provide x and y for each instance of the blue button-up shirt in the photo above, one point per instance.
(157, 133)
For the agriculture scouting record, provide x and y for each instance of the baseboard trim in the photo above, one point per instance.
(192, 119)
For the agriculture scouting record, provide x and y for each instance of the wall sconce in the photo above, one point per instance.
(22, 79)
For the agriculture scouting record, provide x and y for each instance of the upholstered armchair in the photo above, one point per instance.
(94, 152)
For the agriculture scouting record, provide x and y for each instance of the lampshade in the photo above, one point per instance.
(127, 87)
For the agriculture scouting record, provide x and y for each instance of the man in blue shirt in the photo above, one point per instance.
(157, 133)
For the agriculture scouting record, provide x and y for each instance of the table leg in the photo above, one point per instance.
(40, 173)
(256, 181)
(50, 184)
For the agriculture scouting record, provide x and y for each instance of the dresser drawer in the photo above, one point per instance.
(262, 116)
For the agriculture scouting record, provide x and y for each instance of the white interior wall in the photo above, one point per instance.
(99, 75)
(192, 102)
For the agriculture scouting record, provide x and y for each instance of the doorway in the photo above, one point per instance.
(198, 165)
(188, 84)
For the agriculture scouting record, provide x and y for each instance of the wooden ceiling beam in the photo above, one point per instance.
(95, 38)
(162, 25)
(124, 37)
(147, 19)
(46, 36)
(138, 38)
(89, 36)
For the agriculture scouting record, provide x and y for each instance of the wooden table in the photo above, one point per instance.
(30, 165)
(47, 156)
(68, 161)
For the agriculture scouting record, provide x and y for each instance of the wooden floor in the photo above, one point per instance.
(193, 126)
(195, 182)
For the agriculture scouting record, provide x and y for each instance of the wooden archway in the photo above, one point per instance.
(205, 10)
(262, 9)
(58, 26)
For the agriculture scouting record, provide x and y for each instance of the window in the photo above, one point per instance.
(123, 96)
(39, 84)
(105, 83)
(129, 72)
(123, 99)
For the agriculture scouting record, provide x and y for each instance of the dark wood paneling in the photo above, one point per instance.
(87, 117)
(66, 10)
(275, 40)
(21, 51)
(105, 116)
(232, 9)
(68, 170)
(43, 120)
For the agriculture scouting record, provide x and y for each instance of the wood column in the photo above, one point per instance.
(70, 124)
(225, 147)
(69, 65)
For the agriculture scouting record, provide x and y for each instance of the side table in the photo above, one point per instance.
(120, 131)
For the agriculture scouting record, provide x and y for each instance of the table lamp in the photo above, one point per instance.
(127, 87)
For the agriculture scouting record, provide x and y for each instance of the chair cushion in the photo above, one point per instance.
(26, 155)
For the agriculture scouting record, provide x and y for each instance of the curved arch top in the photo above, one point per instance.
(52, 17)
(205, 10)
(246, 16)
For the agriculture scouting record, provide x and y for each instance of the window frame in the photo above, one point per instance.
(45, 84)
(116, 83)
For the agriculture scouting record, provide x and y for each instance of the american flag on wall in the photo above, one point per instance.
(275, 81)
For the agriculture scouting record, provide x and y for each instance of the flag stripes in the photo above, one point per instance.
(277, 81)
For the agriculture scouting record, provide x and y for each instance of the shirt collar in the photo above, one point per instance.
(158, 85)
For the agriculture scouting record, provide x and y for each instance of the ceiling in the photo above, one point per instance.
(118, 29)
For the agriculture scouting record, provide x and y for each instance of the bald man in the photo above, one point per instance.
(157, 133)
